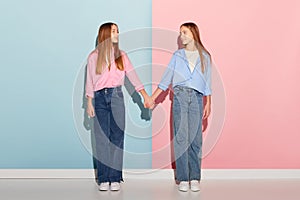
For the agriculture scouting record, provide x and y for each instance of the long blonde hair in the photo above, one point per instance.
(105, 47)
(195, 31)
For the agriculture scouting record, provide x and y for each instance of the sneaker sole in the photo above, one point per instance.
(183, 190)
(103, 190)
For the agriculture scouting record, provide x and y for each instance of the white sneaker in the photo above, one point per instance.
(103, 186)
(115, 186)
(183, 186)
(195, 185)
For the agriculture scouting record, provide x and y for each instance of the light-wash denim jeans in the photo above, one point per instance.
(109, 138)
(187, 120)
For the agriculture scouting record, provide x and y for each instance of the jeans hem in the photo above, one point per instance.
(111, 180)
(196, 179)
(116, 179)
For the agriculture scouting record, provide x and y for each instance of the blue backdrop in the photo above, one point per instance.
(44, 45)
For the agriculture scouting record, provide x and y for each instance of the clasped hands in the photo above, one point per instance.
(149, 102)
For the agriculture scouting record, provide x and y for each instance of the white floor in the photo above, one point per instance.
(85, 189)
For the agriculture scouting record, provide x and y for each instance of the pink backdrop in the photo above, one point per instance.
(256, 48)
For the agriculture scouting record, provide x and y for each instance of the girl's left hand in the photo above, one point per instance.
(206, 111)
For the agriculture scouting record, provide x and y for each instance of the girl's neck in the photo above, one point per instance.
(190, 47)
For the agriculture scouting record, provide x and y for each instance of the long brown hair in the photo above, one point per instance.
(195, 31)
(105, 47)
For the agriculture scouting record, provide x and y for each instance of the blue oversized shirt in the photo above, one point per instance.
(178, 73)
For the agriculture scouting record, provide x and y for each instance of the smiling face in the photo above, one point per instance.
(186, 35)
(114, 34)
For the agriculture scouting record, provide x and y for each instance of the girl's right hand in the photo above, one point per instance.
(90, 110)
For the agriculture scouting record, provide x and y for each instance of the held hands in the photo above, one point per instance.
(148, 102)
(151, 102)
(154, 104)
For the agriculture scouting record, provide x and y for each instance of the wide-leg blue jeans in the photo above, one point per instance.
(187, 120)
(109, 139)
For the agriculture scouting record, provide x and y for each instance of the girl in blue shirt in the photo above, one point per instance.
(189, 73)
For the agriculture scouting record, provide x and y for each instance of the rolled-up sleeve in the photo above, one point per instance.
(168, 74)
(131, 73)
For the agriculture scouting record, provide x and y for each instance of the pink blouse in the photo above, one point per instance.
(109, 78)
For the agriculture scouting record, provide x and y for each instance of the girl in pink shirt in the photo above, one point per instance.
(106, 70)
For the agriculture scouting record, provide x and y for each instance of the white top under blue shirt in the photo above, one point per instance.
(178, 73)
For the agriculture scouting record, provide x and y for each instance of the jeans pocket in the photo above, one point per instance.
(177, 90)
(198, 94)
(119, 94)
